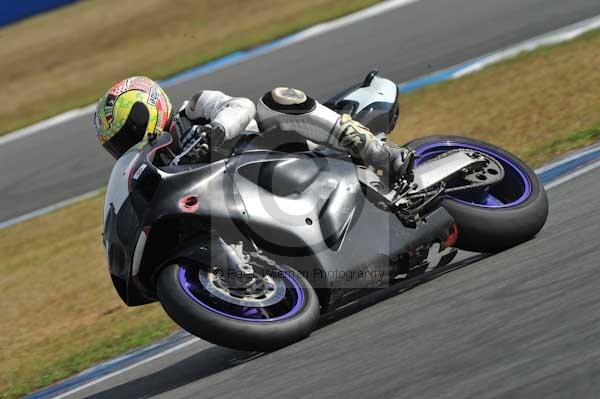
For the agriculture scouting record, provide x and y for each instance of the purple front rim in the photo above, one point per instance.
(295, 295)
(513, 191)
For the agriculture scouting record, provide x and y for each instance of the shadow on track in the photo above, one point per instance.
(196, 367)
(216, 359)
(403, 286)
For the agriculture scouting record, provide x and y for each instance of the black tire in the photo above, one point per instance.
(492, 230)
(232, 333)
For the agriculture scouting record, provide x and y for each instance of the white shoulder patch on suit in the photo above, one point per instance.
(288, 96)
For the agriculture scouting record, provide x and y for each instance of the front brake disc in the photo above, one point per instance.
(265, 293)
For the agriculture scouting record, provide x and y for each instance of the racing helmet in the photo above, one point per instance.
(130, 111)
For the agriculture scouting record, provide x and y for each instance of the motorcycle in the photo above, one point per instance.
(249, 249)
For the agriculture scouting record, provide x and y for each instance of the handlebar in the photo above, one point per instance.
(196, 139)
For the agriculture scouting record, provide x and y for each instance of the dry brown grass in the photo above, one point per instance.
(59, 311)
(531, 105)
(69, 57)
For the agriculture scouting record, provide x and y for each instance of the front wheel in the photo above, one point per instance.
(496, 218)
(285, 311)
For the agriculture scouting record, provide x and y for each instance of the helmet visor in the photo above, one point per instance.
(132, 132)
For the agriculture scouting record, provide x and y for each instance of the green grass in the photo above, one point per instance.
(63, 366)
(571, 142)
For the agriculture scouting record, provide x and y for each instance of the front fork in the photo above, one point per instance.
(230, 264)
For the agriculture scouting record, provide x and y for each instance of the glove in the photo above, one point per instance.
(196, 142)
(193, 145)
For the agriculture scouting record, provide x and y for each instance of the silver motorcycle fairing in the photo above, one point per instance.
(325, 224)
(374, 102)
(310, 197)
(119, 182)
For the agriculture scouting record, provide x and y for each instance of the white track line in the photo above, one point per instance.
(47, 124)
(558, 36)
(568, 159)
(294, 38)
(50, 208)
(349, 19)
(572, 175)
(193, 340)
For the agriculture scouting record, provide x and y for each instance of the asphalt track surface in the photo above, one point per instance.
(520, 324)
(406, 43)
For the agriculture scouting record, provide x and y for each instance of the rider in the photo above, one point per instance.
(137, 107)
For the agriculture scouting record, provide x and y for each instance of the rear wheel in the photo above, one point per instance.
(494, 218)
(283, 310)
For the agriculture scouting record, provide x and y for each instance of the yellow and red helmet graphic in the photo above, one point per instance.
(114, 107)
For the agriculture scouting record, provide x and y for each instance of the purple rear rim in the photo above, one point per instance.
(294, 295)
(514, 190)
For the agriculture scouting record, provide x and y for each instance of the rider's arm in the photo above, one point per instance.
(230, 115)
